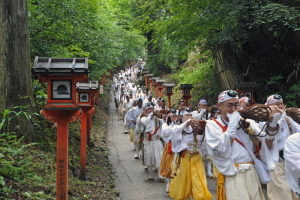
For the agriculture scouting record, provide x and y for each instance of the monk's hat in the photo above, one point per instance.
(226, 95)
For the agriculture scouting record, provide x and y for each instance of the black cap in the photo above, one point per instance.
(140, 100)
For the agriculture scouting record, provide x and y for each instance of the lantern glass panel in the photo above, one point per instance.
(84, 97)
(61, 89)
(249, 95)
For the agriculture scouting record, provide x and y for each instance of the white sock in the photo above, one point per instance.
(209, 168)
(136, 147)
(158, 174)
(168, 184)
(150, 170)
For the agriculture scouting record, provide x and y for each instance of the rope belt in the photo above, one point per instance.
(239, 164)
(221, 193)
(150, 134)
(169, 147)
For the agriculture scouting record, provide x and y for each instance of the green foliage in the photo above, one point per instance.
(15, 167)
(84, 28)
(200, 72)
(257, 40)
(9, 114)
(292, 96)
(12, 149)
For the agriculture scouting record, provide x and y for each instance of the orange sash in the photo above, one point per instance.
(221, 193)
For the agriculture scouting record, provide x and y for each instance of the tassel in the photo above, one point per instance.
(221, 193)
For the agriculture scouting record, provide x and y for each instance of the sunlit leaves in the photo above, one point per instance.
(84, 28)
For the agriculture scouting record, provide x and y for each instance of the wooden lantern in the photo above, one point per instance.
(169, 92)
(155, 85)
(61, 74)
(160, 86)
(149, 80)
(86, 100)
(246, 89)
(186, 95)
(145, 71)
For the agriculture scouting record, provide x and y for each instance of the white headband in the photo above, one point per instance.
(244, 99)
(184, 112)
(203, 102)
(226, 95)
(273, 98)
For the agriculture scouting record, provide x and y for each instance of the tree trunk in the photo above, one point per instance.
(15, 75)
(228, 76)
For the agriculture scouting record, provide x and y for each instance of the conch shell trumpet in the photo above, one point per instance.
(198, 126)
(259, 112)
(294, 113)
(159, 113)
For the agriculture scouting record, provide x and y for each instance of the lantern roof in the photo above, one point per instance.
(246, 85)
(48, 65)
(155, 78)
(186, 86)
(150, 75)
(160, 81)
(169, 84)
(91, 85)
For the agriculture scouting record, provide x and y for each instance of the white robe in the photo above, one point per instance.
(133, 114)
(292, 161)
(198, 115)
(139, 94)
(152, 149)
(224, 155)
(182, 142)
(284, 131)
(166, 132)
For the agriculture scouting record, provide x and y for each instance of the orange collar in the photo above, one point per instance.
(224, 128)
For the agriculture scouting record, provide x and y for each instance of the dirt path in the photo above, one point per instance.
(130, 177)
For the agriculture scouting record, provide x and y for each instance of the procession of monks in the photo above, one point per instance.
(240, 153)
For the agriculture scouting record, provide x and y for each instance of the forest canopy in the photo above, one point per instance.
(236, 40)
(250, 41)
(99, 30)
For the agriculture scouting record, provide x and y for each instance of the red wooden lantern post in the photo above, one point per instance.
(150, 80)
(61, 74)
(94, 97)
(86, 102)
(155, 85)
(145, 72)
(160, 86)
(186, 89)
(169, 92)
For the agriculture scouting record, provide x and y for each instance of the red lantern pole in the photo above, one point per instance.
(160, 86)
(169, 92)
(186, 88)
(88, 135)
(86, 111)
(169, 101)
(186, 99)
(83, 143)
(62, 118)
(150, 80)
